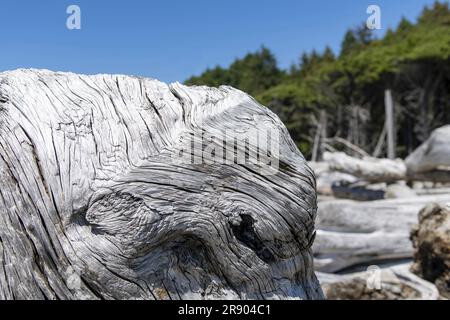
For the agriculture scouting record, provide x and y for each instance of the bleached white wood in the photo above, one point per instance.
(351, 233)
(95, 204)
(390, 124)
(433, 154)
(367, 168)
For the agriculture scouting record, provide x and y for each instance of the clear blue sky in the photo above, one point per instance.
(172, 40)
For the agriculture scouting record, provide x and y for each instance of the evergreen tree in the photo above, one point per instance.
(404, 25)
(349, 43)
(413, 60)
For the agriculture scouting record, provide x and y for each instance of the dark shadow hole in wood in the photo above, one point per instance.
(246, 234)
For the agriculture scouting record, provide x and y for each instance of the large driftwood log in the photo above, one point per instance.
(354, 233)
(95, 204)
(367, 168)
(433, 154)
(385, 170)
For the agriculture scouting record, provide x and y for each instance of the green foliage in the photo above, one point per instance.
(404, 26)
(411, 58)
(438, 13)
(349, 43)
(254, 73)
(356, 39)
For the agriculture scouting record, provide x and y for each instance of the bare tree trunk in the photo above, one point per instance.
(323, 135)
(381, 142)
(354, 130)
(390, 125)
(320, 137)
(315, 148)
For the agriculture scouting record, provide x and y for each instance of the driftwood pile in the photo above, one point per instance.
(372, 224)
(103, 195)
(354, 232)
(429, 162)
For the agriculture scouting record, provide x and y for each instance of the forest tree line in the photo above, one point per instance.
(339, 99)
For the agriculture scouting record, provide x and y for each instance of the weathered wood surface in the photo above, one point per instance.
(385, 170)
(350, 233)
(93, 204)
(367, 168)
(429, 162)
(433, 154)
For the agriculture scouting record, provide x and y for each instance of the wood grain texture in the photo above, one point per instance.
(368, 168)
(93, 204)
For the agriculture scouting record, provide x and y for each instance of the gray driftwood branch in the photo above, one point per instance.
(429, 162)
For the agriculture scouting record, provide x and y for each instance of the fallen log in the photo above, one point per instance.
(367, 168)
(383, 170)
(96, 203)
